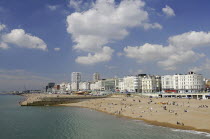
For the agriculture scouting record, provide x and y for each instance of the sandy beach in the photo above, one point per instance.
(189, 114)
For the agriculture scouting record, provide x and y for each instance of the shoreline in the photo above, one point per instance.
(150, 122)
(196, 119)
(165, 112)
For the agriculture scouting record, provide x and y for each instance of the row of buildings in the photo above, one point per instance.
(142, 83)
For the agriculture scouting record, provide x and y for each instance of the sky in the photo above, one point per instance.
(44, 41)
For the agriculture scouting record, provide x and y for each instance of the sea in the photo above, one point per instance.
(59, 122)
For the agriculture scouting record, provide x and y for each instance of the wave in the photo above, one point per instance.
(192, 132)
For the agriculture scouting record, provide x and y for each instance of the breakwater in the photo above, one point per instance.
(55, 100)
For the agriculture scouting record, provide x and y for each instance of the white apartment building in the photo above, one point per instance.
(129, 83)
(190, 82)
(65, 86)
(104, 85)
(92, 86)
(74, 86)
(97, 86)
(96, 76)
(150, 84)
(75, 79)
(84, 86)
(168, 82)
(121, 85)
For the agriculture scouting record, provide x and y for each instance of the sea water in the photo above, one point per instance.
(48, 122)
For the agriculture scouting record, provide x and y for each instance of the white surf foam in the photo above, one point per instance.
(192, 132)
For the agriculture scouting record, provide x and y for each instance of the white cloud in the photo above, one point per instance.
(152, 26)
(52, 7)
(19, 38)
(190, 40)
(76, 4)
(80, 5)
(103, 56)
(106, 22)
(57, 49)
(168, 11)
(179, 51)
(178, 59)
(120, 54)
(148, 52)
(204, 67)
(3, 46)
(2, 27)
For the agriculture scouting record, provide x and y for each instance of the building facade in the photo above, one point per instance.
(150, 84)
(183, 83)
(129, 84)
(96, 76)
(75, 79)
(84, 86)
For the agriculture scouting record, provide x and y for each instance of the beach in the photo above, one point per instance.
(189, 114)
(61, 122)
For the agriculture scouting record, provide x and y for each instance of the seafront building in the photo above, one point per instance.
(74, 86)
(110, 84)
(150, 84)
(183, 83)
(49, 87)
(96, 77)
(65, 87)
(104, 85)
(84, 86)
(76, 77)
(129, 84)
(75, 80)
(141, 83)
(207, 85)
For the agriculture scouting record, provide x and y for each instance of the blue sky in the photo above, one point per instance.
(46, 40)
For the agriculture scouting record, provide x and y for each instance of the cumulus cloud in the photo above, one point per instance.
(120, 54)
(178, 59)
(104, 23)
(103, 56)
(152, 26)
(2, 27)
(57, 49)
(168, 11)
(20, 38)
(190, 40)
(148, 52)
(52, 7)
(76, 4)
(3, 46)
(180, 50)
(204, 67)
